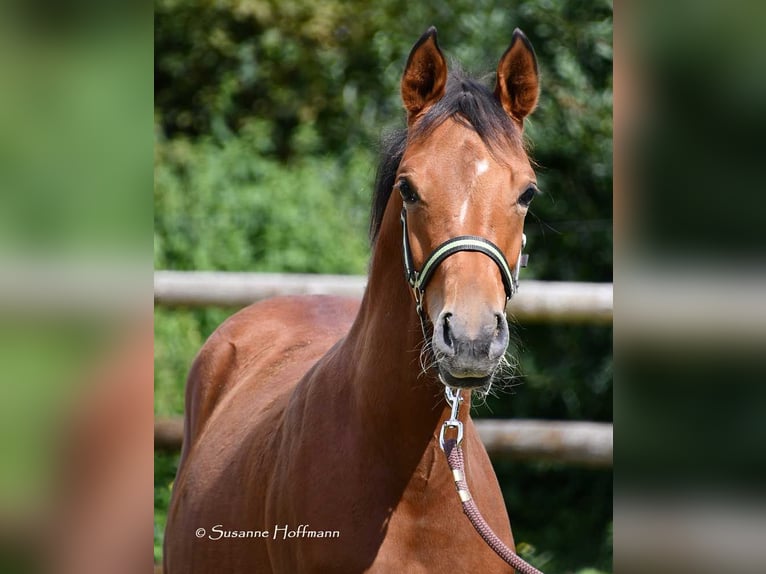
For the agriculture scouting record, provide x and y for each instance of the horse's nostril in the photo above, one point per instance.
(447, 334)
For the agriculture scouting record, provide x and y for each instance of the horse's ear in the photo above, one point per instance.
(425, 76)
(517, 87)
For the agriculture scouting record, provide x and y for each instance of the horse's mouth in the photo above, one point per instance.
(461, 381)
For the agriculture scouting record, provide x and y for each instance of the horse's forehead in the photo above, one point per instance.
(457, 151)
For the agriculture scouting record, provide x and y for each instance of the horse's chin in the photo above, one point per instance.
(472, 381)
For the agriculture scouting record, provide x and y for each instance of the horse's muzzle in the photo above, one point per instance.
(469, 353)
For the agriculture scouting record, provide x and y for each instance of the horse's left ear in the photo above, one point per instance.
(517, 87)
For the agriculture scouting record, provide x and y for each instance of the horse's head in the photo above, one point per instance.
(465, 174)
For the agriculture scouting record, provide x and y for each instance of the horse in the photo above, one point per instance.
(312, 422)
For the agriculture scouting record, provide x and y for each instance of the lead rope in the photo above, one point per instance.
(454, 454)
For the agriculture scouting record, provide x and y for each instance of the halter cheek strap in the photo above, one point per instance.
(418, 280)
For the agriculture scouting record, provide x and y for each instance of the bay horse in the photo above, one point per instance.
(310, 441)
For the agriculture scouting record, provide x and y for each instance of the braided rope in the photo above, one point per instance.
(455, 461)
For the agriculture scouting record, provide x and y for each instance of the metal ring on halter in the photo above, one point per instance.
(454, 400)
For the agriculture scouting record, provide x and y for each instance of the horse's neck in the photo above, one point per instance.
(398, 403)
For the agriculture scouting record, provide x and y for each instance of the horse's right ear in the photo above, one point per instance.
(425, 76)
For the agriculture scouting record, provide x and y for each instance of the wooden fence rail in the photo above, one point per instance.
(536, 301)
(575, 443)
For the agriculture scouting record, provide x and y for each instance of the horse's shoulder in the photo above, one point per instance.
(262, 338)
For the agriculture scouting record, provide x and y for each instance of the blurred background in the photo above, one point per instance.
(239, 124)
(690, 332)
(268, 116)
(258, 103)
(75, 286)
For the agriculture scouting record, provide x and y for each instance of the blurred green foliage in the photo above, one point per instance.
(72, 168)
(230, 206)
(267, 118)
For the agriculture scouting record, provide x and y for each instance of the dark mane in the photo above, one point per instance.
(468, 102)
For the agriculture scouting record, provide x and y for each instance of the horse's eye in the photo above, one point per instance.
(529, 194)
(408, 193)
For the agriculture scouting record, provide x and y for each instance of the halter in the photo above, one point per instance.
(418, 280)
